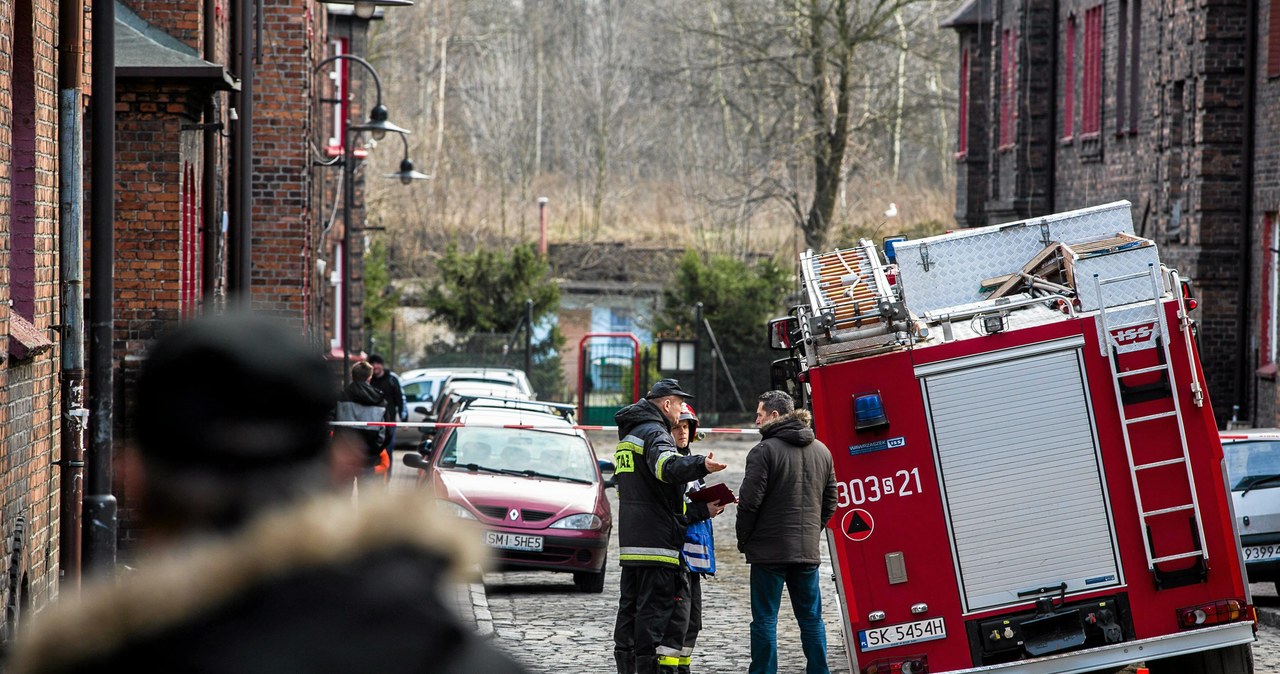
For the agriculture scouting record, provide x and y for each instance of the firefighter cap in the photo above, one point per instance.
(667, 387)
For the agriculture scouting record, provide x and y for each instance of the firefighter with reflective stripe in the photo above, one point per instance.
(698, 553)
(651, 477)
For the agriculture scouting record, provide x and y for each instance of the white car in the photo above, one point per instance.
(1253, 474)
(423, 387)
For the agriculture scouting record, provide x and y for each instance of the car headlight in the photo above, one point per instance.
(578, 522)
(454, 509)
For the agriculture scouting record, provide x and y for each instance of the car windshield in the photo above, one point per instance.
(1253, 464)
(514, 450)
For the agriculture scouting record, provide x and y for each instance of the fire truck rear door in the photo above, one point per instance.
(1017, 456)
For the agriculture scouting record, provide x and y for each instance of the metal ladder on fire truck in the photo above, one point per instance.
(1166, 387)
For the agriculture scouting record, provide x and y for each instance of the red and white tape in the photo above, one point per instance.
(580, 427)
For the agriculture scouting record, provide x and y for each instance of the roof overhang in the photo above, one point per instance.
(143, 51)
(971, 13)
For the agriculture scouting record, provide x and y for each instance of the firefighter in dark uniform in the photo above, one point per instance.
(651, 476)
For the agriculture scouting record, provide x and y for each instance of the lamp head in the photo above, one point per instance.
(407, 174)
(377, 124)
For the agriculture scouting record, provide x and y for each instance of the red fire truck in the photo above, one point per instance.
(1030, 476)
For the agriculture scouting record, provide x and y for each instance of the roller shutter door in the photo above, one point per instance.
(1018, 460)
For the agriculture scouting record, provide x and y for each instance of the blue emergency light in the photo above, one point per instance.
(868, 412)
(889, 253)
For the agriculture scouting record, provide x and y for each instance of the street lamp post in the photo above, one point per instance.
(377, 126)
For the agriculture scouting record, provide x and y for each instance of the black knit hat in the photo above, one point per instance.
(667, 387)
(233, 392)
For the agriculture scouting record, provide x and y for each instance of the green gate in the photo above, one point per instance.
(608, 375)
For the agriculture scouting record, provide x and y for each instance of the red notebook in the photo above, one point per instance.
(714, 492)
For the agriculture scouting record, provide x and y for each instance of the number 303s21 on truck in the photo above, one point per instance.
(1029, 471)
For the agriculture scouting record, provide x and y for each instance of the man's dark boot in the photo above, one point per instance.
(626, 661)
(646, 665)
(667, 669)
(682, 669)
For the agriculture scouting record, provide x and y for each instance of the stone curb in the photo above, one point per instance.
(480, 604)
(1269, 617)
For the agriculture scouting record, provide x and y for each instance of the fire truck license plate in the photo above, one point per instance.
(906, 633)
(1257, 553)
(513, 541)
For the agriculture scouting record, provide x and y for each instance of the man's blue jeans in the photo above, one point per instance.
(806, 601)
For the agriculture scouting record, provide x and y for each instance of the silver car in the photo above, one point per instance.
(1253, 473)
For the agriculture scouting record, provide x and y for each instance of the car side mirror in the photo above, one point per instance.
(606, 466)
(423, 409)
(414, 460)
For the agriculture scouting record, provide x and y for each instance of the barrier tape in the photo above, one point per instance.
(580, 427)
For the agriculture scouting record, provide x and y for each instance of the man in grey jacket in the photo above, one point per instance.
(786, 499)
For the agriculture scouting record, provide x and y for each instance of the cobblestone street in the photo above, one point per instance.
(541, 620)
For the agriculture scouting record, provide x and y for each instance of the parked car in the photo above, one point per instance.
(504, 376)
(1253, 472)
(423, 388)
(537, 491)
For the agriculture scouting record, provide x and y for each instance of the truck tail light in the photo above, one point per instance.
(1213, 613)
(912, 664)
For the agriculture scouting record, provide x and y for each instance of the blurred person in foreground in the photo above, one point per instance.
(257, 560)
(651, 476)
(786, 499)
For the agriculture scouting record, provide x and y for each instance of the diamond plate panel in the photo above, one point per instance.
(958, 262)
(1113, 265)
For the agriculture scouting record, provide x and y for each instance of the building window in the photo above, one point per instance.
(1008, 81)
(1273, 40)
(339, 99)
(1069, 80)
(962, 145)
(620, 319)
(1127, 84)
(1091, 85)
(1135, 49)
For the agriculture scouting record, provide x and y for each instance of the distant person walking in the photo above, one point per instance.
(256, 560)
(397, 407)
(361, 401)
(651, 476)
(786, 499)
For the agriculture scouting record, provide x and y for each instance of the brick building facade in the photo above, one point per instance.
(1081, 102)
(30, 396)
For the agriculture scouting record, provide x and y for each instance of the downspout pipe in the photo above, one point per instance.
(71, 295)
(241, 235)
(99, 503)
(210, 180)
(1247, 367)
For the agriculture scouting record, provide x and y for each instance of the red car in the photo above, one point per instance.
(537, 490)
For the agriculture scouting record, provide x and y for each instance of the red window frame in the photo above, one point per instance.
(1008, 81)
(1273, 39)
(1069, 81)
(339, 102)
(1091, 87)
(962, 148)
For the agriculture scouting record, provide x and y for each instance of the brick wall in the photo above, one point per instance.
(30, 397)
(1265, 408)
(284, 201)
(1171, 142)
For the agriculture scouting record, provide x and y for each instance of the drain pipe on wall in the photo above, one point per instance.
(99, 502)
(1247, 366)
(71, 273)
